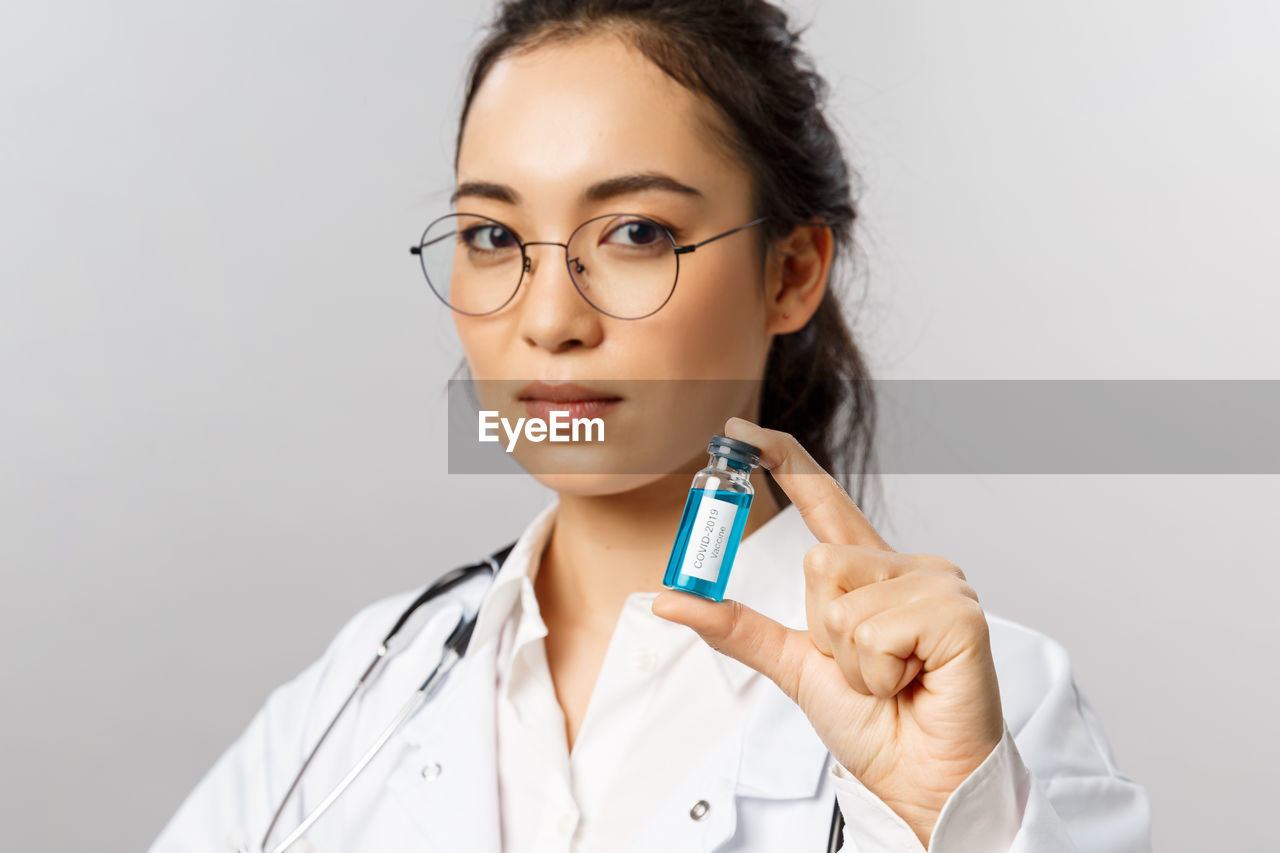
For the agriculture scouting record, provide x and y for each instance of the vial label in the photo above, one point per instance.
(707, 540)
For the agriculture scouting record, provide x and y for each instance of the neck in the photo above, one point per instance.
(603, 548)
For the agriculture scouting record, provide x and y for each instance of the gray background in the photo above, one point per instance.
(222, 378)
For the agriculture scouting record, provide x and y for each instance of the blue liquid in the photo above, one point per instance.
(674, 577)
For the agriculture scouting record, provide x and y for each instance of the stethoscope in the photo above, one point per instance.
(455, 646)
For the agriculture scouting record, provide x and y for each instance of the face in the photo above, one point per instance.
(548, 125)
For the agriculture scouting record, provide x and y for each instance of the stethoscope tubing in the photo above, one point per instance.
(454, 648)
(419, 697)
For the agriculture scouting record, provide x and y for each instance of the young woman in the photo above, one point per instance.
(593, 710)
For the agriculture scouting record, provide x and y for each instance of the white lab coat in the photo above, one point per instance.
(434, 787)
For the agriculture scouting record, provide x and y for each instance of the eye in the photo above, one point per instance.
(489, 238)
(637, 232)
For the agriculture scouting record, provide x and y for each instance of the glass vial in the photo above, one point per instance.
(714, 515)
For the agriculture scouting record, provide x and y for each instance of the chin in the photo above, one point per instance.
(602, 469)
(595, 485)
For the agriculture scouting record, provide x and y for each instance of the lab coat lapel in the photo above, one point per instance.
(782, 756)
(776, 755)
(448, 785)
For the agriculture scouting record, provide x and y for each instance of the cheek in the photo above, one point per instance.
(478, 347)
(713, 326)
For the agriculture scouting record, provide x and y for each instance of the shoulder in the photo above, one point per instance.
(1026, 652)
(327, 683)
(1042, 703)
(363, 633)
(343, 658)
(365, 629)
(1030, 665)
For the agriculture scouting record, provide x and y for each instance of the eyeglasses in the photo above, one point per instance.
(624, 265)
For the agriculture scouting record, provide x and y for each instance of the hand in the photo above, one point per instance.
(895, 670)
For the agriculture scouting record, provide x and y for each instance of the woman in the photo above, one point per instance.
(586, 714)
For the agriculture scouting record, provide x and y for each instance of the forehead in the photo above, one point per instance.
(568, 113)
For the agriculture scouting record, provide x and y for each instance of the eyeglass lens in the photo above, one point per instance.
(623, 264)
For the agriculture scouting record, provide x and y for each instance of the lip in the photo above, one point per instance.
(579, 401)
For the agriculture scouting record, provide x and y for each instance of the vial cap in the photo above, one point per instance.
(734, 450)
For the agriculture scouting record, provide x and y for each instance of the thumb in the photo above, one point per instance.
(746, 635)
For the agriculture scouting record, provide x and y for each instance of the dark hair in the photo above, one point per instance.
(742, 57)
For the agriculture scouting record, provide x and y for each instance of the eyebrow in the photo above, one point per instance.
(599, 191)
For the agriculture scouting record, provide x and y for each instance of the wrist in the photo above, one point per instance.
(920, 818)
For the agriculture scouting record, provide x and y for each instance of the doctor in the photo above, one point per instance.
(593, 710)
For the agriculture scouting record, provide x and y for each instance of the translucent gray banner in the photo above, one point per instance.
(1062, 426)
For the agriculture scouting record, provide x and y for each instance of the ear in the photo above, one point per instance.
(798, 266)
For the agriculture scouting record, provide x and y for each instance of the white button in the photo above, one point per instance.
(644, 659)
(566, 824)
(432, 772)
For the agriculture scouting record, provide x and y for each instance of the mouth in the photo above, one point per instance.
(578, 401)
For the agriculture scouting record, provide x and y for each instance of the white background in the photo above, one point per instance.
(221, 375)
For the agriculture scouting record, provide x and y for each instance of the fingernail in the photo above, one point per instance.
(765, 461)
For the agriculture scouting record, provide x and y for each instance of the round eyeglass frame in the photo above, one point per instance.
(526, 266)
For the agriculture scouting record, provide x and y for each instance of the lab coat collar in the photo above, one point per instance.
(767, 576)
(505, 592)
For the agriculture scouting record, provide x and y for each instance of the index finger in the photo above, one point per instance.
(823, 503)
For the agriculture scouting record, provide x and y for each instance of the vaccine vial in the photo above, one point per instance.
(714, 515)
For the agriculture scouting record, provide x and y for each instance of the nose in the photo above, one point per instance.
(553, 314)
